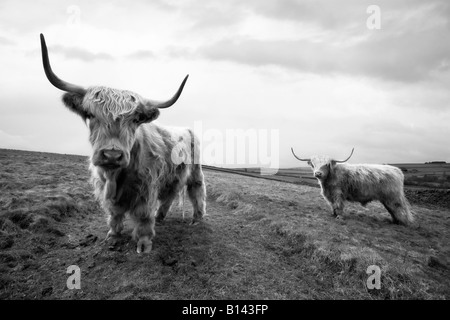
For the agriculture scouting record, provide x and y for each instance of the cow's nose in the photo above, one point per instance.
(318, 174)
(112, 155)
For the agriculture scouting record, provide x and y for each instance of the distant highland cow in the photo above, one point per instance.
(361, 183)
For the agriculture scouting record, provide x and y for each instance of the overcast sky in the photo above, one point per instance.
(313, 71)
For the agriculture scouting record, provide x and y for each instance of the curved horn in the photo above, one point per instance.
(345, 159)
(54, 80)
(171, 101)
(298, 157)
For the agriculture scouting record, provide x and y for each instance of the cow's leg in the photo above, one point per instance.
(398, 207)
(143, 215)
(166, 202)
(115, 222)
(337, 204)
(197, 192)
(392, 208)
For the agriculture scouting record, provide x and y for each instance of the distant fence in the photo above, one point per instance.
(297, 179)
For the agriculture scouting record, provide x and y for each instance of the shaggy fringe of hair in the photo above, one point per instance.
(111, 102)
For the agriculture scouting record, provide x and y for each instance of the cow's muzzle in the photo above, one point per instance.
(110, 159)
(318, 175)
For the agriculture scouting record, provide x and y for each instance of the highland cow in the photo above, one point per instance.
(361, 183)
(137, 166)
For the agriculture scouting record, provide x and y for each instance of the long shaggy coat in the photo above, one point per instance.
(364, 183)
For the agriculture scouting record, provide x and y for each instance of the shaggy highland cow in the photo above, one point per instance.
(137, 166)
(361, 183)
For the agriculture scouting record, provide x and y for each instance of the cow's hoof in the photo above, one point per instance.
(159, 220)
(144, 245)
(195, 222)
(111, 236)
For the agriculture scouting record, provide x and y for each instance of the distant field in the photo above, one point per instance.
(426, 175)
(416, 174)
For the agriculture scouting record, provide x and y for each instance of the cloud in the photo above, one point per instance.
(81, 54)
(214, 14)
(409, 47)
(326, 14)
(141, 54)
(341, 15)
(6, 42)
(406, 58)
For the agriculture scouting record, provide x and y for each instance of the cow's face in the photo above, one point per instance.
(321, 166)
(112, 117)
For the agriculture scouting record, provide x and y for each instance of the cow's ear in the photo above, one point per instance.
(152, 114)
(332, 164)
(74, 102)
(147, 115)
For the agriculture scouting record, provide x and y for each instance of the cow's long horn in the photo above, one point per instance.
(171, 101)
(54, 80)
(298, 157)
(345, 159)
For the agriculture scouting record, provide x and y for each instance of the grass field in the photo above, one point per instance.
(427, 175)
(261, 239)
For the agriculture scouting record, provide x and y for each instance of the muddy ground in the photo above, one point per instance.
(261, 239)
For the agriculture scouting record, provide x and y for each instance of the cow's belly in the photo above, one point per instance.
(360, 196)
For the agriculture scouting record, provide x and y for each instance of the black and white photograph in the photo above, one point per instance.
(224, 154)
